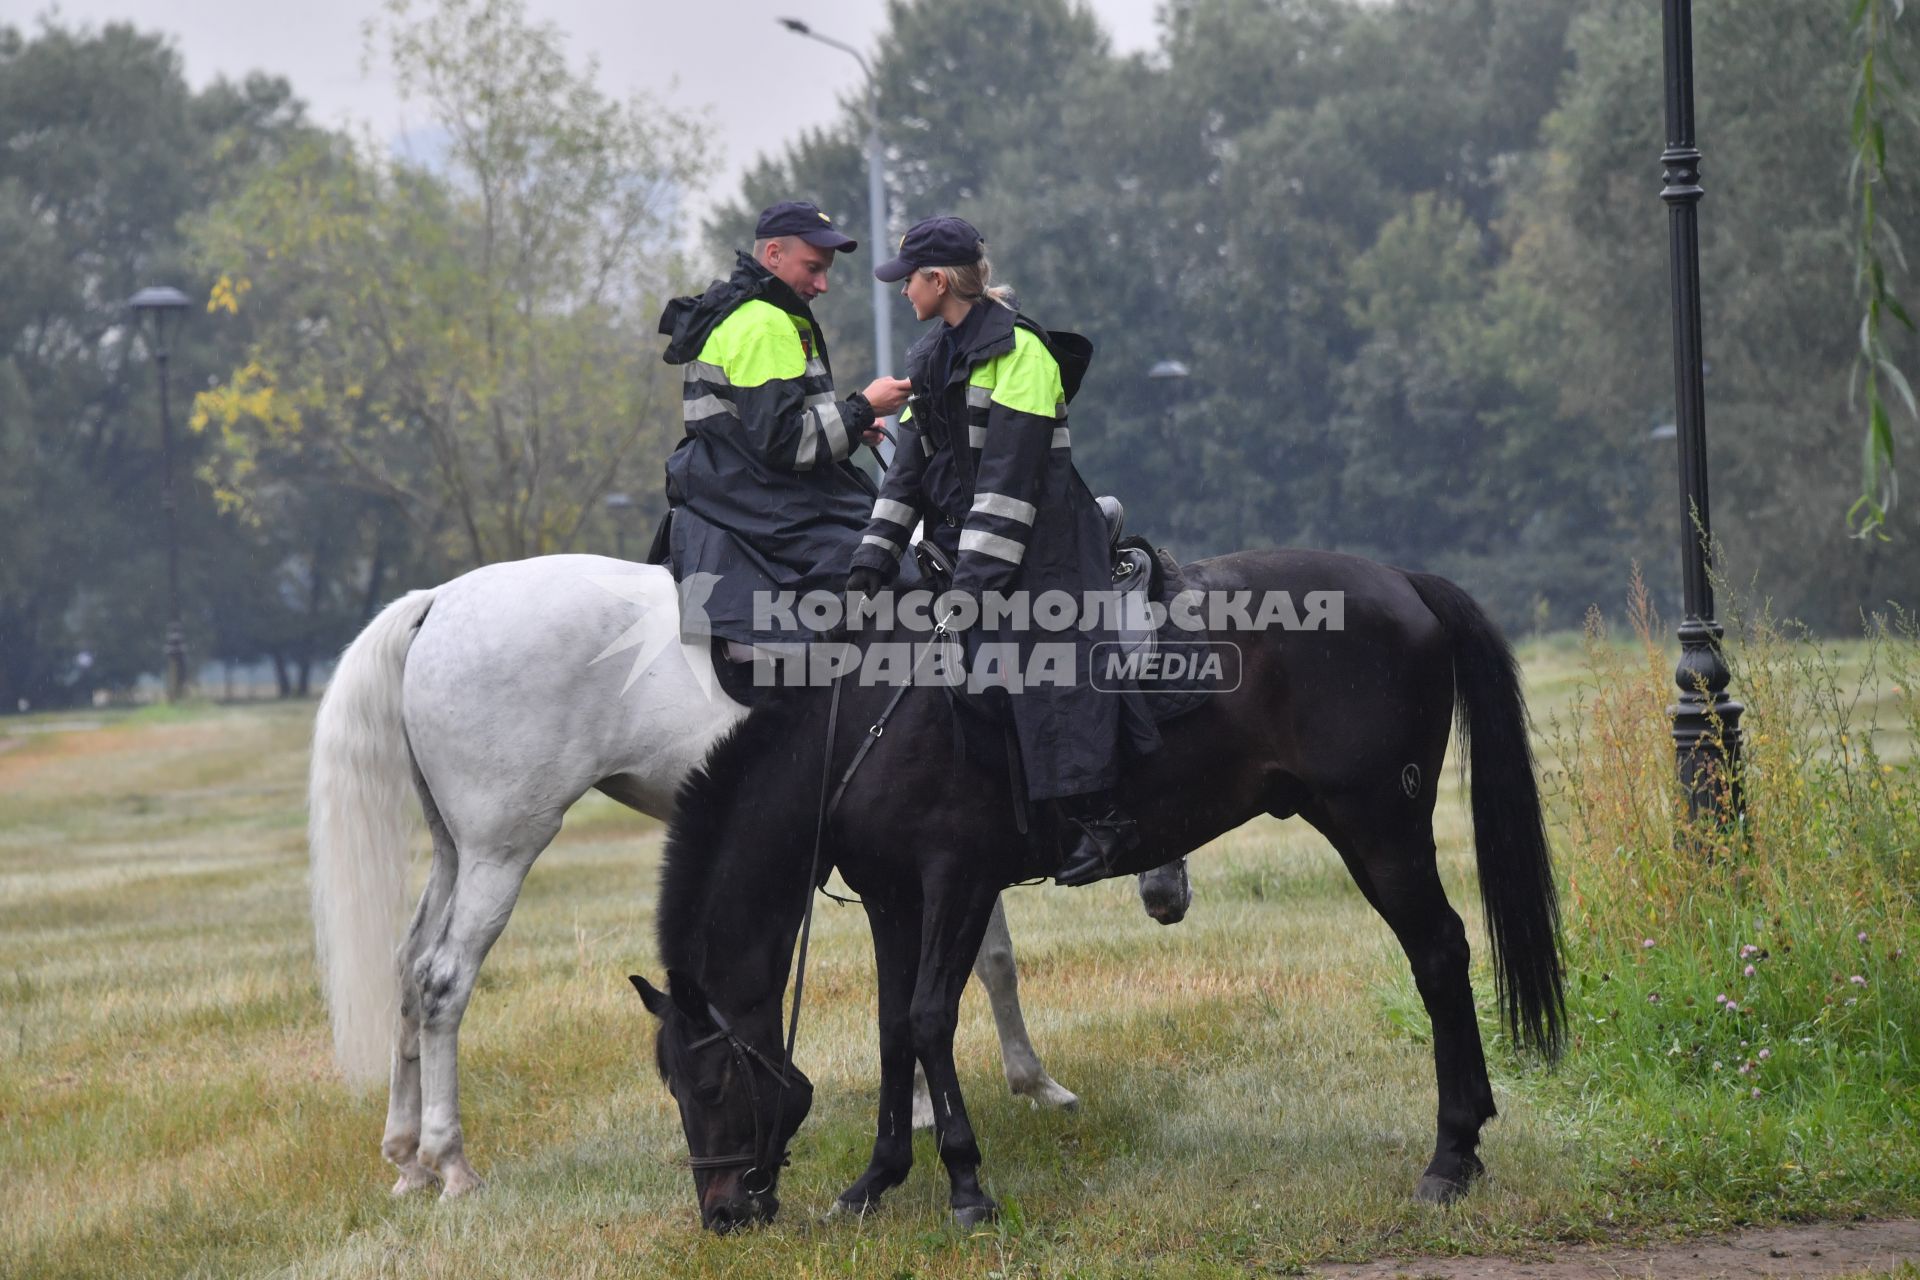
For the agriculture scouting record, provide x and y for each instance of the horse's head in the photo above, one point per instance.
(739, 1105)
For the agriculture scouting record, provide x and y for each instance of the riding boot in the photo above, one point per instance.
(1105, 833)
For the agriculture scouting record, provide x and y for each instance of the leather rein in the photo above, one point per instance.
(762, 1161)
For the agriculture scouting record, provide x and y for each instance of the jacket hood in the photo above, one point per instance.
(993, 335)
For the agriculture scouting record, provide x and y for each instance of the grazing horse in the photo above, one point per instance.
(493, 702)
(1345, 727)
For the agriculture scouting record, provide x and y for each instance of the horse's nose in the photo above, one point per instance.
(1166, 892)
(722, 1219)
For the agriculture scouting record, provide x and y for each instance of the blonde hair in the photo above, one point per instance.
(974, 283)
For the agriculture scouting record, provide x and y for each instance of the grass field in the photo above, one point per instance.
(1258, 1093)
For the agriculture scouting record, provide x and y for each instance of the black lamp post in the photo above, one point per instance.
(158, 309)
(619, 509)
(1706, 722)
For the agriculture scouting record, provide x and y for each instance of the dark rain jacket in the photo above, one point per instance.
(985, 459)
(762, 496)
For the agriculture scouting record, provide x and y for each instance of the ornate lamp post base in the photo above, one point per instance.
(1706, 726)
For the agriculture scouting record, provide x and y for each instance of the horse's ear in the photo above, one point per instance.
(688, 995)
(656, 1000)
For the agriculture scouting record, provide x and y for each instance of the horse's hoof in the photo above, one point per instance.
(1436, 1188)
(974, 1215)
(461, 1180)
(855, 1209)
(1048, 1092)
(414, 1177)
(922, 1111)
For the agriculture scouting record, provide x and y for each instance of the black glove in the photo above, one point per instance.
(862, 584)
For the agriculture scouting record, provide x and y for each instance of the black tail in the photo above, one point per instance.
(1509, 834)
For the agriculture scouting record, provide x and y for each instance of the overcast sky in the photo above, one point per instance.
(759, 81)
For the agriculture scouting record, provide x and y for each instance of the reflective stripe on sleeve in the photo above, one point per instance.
(979, 397)
(993, 544)
(706, 407)
(888, 544)
(836, 429)
(1061, 438)
(893, 512)
(999, 504)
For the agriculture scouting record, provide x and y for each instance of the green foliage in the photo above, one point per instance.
(1744, 999)
(1876, 244)
(1414, 258)
(461, 341)
(108, 151)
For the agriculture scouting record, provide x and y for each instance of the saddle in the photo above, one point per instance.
(1146, 576)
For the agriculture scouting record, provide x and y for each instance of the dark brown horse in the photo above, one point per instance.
(1345, 726)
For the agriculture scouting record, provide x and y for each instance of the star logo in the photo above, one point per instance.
(656, 629)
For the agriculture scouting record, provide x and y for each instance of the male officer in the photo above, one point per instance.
(761, 492)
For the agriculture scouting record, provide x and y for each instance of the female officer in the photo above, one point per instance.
(984, 460)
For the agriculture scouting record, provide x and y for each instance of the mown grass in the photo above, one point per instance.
(1257, 1081)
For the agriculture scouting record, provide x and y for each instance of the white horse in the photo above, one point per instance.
(494, 702)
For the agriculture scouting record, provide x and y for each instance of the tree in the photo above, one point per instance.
(1780, 323)
(463, 339)
(108, 150)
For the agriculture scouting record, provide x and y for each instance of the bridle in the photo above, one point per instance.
(760, 1159)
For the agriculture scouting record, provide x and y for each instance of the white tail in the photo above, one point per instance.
(361, 811)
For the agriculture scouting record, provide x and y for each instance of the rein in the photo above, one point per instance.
(878, 728)
(762, 1160)
(800, 965)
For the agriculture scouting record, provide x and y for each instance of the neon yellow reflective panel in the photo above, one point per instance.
(757, 344)
(1025, 379)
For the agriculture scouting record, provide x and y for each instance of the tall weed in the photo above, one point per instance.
(1744, 996)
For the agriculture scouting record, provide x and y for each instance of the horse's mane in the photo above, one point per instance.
(701, 808)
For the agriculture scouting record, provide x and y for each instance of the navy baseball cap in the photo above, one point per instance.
(802, 218)
(933, 242)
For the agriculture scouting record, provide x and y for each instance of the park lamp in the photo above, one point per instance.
(159, 308)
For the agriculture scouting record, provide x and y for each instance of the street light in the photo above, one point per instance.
(157, 309)
(1171, 376)
(619, 506)
(1706, 722)
(876, 199)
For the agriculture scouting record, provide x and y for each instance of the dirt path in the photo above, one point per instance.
(1826, 1249)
